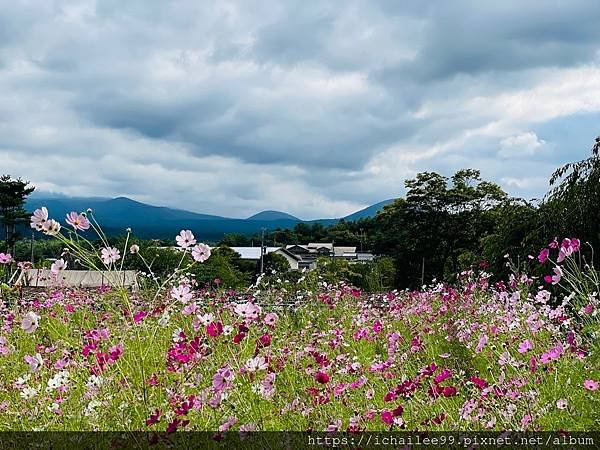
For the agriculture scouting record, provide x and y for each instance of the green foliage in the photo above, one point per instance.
(12, 199)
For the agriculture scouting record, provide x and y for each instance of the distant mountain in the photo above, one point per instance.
(158, 222)
(369, 211)
(272, 215)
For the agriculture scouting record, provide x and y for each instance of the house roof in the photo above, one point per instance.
(253, 252)
(328, 245)
(344, 250)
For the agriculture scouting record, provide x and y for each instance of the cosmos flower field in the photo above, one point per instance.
(519, 354)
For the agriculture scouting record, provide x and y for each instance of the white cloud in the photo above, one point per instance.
(520, 145)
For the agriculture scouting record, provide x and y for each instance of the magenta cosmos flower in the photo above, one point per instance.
(201, 252)
(591, 385)
(5, 258)
(78, 221)
(543, 256)
(39, 217)
(185, 239)
(110, 255)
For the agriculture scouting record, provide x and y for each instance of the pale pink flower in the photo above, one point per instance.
(182, 293)
(51, 227)
(255, 364)
(591, 385)
(231, 421)
(35, 362)
(561, 403)
(267, 386)
(39, 217)
(222, 379)
(554, 279)
(5, 258)
(57, 266)
(525, 346)
(30, 322)
(185, 239)
(270, 319)
(248, 310)
(134, 249)
(110, 255)
(189, 309)
(78, 221)
(201, 252)
(334, 426)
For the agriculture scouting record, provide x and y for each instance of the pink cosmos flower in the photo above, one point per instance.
(591, 385)
(334, 426)
(270, 319)
(561, 403)
(185, 239)
(182, 293)
(554, 279)
(110, 255)
(39, 217)
(248, 310)
(57, 266)
(543, 256)
(567, 248)
(189, 309)
(201, 252)
(231, 421)
(134, 249)
(78, 221)
(35, 362)
(255, 364)
(267, 386)
(222, 379)
(525, 346)
(30, 322)
(5, 258)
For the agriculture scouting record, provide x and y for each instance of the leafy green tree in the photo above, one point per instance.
(13, 194)
(573, 203)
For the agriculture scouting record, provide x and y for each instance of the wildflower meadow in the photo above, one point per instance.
(471, 354)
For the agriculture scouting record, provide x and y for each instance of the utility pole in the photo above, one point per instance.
(32, 241)
(262, 251)
(361, 239)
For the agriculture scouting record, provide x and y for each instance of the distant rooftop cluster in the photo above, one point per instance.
(304, 256)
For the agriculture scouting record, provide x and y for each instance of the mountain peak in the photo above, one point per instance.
(273, 215)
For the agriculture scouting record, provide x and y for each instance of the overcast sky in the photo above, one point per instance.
(315, 108)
